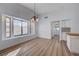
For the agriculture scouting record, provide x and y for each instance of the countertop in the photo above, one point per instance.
(73, 34)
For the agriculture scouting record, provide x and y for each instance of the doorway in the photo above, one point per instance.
(55, 30)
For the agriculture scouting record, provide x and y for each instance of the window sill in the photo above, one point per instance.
(15, 37)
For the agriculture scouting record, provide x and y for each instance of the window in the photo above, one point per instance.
(16, 27)
(33, 28)
(8, 27)
(24, 27)
(19, 27)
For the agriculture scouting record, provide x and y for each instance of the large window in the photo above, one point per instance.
(15, 27)
(19, 27)
(8, 26)
(24, 27)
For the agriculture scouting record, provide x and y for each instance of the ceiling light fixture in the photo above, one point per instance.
(34, 18)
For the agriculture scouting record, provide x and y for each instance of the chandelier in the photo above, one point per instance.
(34, 18)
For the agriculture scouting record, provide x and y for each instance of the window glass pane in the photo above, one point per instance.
(8, 27)
(32, 28)
(8, 30)
(24, 27)
(7, 19)
(17, 27)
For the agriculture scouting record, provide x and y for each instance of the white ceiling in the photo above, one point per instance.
(46, 8)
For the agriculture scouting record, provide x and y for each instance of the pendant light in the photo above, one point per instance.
(34, 18)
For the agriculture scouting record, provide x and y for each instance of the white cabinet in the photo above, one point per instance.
(73, 42)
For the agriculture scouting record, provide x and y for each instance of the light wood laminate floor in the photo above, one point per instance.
(40, 47)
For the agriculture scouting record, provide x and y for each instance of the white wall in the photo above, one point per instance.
(43, 29)
(18, 11)
(44, 26)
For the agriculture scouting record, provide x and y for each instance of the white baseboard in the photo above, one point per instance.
(44, 37)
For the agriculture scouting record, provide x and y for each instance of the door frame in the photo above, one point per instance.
(59, 27)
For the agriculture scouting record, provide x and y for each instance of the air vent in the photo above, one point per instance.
(46, 17)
